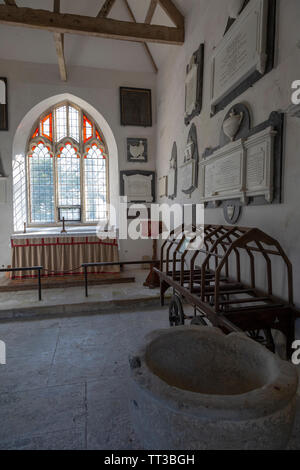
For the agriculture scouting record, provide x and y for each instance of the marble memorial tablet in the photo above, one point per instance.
(242, 52)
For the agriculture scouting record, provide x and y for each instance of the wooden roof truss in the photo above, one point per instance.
(99, 26)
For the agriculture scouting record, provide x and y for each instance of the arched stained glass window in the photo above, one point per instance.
(87, 129)
(95, 180)
(40, 169)
(67, 168)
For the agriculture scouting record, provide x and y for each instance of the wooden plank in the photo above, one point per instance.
(59, 44)
(105, 10)
(173, 13)
(56, 6)
(151, 11)
(88, 26)
(145, 45)
(148, 52)
(245, 301)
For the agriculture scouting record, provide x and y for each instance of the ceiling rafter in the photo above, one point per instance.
(100, 26)
(59, 45)
(173, 13)
(105, 9)
(151, 11)
(145, 45)
(85, 25)
(11, 3)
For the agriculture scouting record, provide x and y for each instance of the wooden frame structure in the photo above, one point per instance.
(101, 26)
(210, 278)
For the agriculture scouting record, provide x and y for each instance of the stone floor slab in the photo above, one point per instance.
(66, 382)
(49, 409)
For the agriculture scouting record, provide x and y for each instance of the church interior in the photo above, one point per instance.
(149, 212)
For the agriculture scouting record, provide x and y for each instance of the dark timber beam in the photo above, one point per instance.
(56, 6)
(145, 45)
(85, 25)
(105, 10)
(173, 13)
(59, 45)
(151, 11)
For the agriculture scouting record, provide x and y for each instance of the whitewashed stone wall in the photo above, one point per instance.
(206, 23)
(29, 84)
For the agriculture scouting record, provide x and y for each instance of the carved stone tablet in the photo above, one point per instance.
(163, 186)
(189, 169)
(172, 176)
(241, 169)
(245, 53)
(194, 85)
(138, 186)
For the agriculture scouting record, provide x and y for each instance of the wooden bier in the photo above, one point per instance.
(210, 276)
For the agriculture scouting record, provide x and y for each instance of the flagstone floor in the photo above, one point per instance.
(65, 384)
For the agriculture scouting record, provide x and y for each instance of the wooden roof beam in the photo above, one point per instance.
(106, 7)
(59, 45)
(85, 25)
(56, 6)
(145, 45)
(173, 13)
(151, 11)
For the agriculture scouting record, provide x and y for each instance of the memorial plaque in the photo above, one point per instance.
(188, 175)
(241, 169)
(136, 107)
(224, 174)
(194, 85)
(172, 175)
(171, 183)
(242, 56)
(189, 169)
(163, 186)
(255, 169)
(246, 167)
(137, 150)
(138, 186)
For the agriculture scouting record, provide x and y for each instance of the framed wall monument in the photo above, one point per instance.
(194, 85)
(189, 169)
(246, 168)
(172, 175)
(138, 186)
(136, 107)
(163, 186)
(3, 105)
(137, 150)
(245, 54)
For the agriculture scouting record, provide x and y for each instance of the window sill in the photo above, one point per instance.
(71, 231)
(32, 232)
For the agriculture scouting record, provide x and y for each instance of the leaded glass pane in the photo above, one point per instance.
(66, 123)
(41, 185)
(95, 185)
(46, 127)
(74, 123)
(68, 177)
(61, 122)
(87, 129)
(71, 214)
